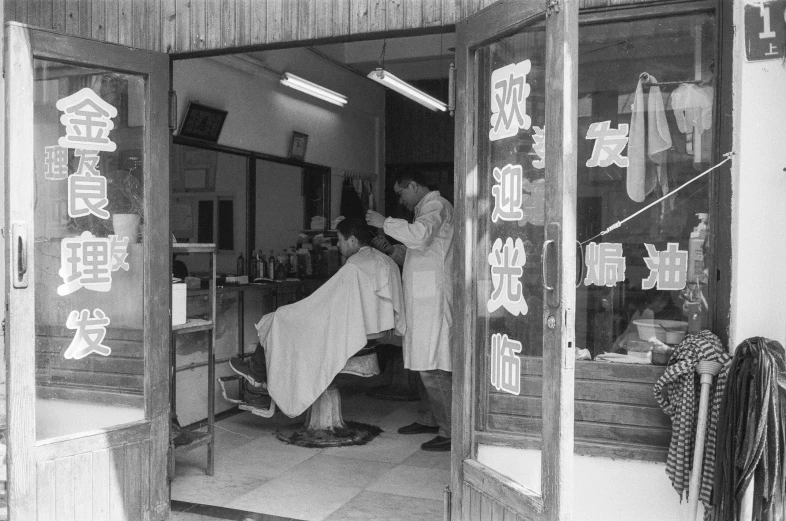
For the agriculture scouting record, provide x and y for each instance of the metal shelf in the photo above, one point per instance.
(193, 324)
(193, 247)
(200, 439)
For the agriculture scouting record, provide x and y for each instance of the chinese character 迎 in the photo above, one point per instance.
(87, 195)
(56, 162)
(505, 364)
(88, 261)
(510, 90)
(88, 120)
(507, 263)
(539, 147)
(605, 264)
(609, 144)
(90, 332)
(507, 193)
(668, 268)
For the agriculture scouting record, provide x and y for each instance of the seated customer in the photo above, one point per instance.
(304, 345)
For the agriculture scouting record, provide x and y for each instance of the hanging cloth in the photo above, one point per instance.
(351, 206)
(640, 182)
(658, 139)
(680, 401)
(752, 437)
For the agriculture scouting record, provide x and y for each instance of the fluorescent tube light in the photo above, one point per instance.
(389, 80)
(297, 83)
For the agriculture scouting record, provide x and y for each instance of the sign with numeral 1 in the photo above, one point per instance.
(765, 30)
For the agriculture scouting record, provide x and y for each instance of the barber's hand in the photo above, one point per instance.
(375, 219)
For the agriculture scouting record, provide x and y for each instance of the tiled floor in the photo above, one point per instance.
(389, 478)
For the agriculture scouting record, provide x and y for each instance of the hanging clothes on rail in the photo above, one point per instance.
(692, 105)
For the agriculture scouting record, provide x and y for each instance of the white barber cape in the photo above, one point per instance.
(428, 289)
(307, 343)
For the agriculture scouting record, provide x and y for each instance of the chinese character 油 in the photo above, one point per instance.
(510, 90)
(88, 262)
(507, 263)
(668, 268)
(605, 264)
(539, 147)
(88, 120)
(90, 332)
(609, 144)
(56, 162)
(507, 193)
(505, 364)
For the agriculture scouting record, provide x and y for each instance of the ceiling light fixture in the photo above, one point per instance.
(298, 83)
(389, 80)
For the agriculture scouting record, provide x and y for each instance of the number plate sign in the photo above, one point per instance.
(765, 30)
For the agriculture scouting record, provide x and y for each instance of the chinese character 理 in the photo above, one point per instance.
(539, 147)
(87, 195)
(605, 264)
(668, 268)
(88, 262)
(88, 120)
(507, 193)
(505, 364)
(507, 263)
(90, 332)
(56, 162)
(509, 92)
(609, 144)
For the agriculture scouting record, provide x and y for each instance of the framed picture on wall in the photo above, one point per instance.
(202, 122)
(297, 147)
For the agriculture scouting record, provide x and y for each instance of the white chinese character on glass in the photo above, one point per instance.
(87, 188)
(539, 147)
(56, 162)
(88, 262)
(507, 193)
(605, 264)
(609, 144)
(509, 92)
(90, 332)
(505, 364)
(668, 268)
(88, 121)
(507, 263)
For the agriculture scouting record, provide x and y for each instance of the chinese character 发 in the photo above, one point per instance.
(90, 332)
(505, 365)
(507, 263)
(609, 144)
(509, 92)
(87, 195)
(88, 120)
(56, 162)
(539, 147)
(605, 264)
(507, 193)
(88, 262)
(668, 268)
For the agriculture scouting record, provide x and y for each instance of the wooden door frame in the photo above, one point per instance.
(501, 19)
(23, 44)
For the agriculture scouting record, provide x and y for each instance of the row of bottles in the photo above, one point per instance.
(303, 262)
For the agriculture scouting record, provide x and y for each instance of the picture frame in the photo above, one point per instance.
(297, 146)
(202, 122)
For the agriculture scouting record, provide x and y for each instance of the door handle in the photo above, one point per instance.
(544, 264)
(19, 254)
(581, 265)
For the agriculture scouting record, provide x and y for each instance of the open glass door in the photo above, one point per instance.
(88, 289)
(516, 174)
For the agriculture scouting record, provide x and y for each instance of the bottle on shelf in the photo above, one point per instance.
(696, 250)
(252, 271)
(271, 266)
(241, 264)
(262, 265)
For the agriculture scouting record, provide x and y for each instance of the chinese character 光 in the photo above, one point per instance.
(90, 332)
(509, 92)
(507, 263)
(507, 193)
(56, 162)
(605, 264)
(609, 144)
(88, 120)
(539, 147)
(668, 268)
(505, 364)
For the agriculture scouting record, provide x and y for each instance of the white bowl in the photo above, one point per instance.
(663, 330)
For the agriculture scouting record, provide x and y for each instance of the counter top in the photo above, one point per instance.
(265, 287)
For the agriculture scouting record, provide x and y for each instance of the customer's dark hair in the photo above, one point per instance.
(357, 227)
(407, 175)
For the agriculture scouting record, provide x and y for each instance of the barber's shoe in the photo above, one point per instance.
(438, 444)
(244, 369)
(418, 428)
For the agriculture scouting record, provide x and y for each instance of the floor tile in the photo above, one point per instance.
(211, 490)
(416, 482)
(283, 498)
(387, 447)
(428, 460)
(343, 472)
(378, 506)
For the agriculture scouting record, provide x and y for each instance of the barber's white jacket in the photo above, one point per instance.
(427, 279)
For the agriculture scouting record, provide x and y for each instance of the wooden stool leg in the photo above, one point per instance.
(325, 413)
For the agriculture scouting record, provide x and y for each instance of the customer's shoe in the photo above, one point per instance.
(244, 369)
(417, 428)
(438, 444)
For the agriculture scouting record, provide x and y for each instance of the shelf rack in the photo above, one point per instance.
(192, 325)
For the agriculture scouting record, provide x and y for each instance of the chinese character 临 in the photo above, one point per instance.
(509, 92)
(90, 332)
(668, 268)
(609, 144)
(539, 147)
(88, 120)
(505, 364)
(56, 162)
(507, 193)
(605, 264)
(88, 262)
(507, 263)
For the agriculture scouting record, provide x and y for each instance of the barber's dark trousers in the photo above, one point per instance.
(436, 398)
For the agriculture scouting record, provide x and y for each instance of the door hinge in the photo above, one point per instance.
(552, 7)
(446, 504)
(452, 89)
(172, 110)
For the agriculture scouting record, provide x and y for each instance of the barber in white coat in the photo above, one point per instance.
(428, 299)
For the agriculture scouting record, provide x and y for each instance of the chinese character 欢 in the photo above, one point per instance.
(88, 261)
(509, 92)
(539, 147)
(605, 264)
(507, 263)
(87, 195)
(505, 364)
(90, 332)
(56, 162)
(609, 144)
(507, 193)
(668, 268)
(88, 120)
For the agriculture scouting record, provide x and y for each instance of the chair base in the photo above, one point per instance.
(353, 434)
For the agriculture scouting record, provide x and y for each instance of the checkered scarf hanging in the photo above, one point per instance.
(680, 401)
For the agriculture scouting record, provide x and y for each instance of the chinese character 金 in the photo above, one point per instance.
(507, 263)
(88, 121)
(605, 264)
(668, 269)
(509, 100)
(505, 364)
